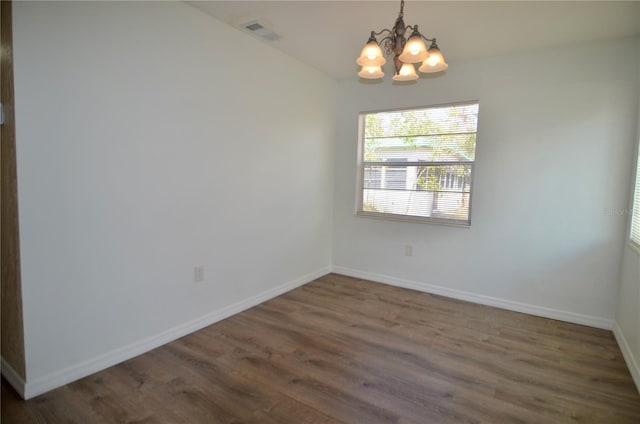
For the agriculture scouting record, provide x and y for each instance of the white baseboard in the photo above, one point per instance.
(12, 376)
(541, 311)
(56, 379)
(632, 364)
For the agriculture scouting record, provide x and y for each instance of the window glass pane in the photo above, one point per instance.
(419, 122)
(425, 191)
(447, 148)
(635, 218)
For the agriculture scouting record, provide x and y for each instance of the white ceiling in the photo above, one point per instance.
(329, 35)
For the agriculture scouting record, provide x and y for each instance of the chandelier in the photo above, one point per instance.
(406, 52)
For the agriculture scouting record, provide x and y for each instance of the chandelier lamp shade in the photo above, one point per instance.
(406, 52)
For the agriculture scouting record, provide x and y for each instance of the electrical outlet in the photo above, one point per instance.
(408, 250)
(198, 273)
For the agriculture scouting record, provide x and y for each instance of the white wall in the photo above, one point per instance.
(627, 330)
(152, 138)
(556, 133)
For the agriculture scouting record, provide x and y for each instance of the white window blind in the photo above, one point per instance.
(635, 217)
(418, 164)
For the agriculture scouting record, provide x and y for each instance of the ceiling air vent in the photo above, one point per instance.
(255, 27)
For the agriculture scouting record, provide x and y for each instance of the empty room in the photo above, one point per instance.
(339, 212)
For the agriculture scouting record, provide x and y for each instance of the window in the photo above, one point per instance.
(417, 164)
(635, 217)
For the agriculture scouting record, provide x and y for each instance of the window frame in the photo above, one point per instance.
(360, 162)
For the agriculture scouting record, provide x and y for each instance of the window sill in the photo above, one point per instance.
(633, 246)
(414, 219)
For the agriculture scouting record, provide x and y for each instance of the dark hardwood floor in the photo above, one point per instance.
(343, 350)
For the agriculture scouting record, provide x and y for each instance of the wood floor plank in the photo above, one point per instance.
(342, 350)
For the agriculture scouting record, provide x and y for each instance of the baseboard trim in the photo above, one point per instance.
(510, 305)
(12, 376)
(627, 354)
(57, 379)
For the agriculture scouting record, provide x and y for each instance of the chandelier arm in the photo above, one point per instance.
(382, 31)
(387, 38)
(414, 27)
(387, 44)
